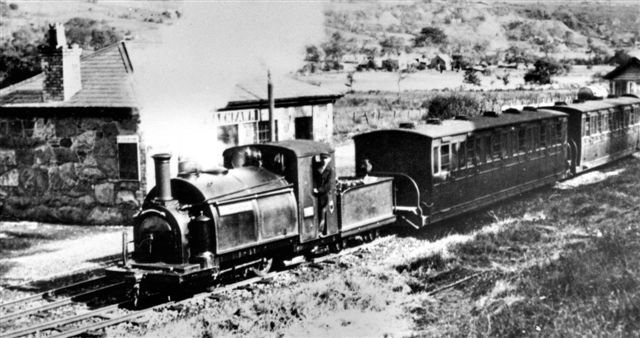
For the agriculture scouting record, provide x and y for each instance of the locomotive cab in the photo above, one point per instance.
(310, 168)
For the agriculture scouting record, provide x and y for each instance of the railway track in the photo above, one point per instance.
(117, 312)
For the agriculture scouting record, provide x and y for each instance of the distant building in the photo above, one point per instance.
(71, 142)
(625, 79)
(441, 62)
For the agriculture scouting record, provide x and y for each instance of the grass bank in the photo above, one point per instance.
(568, 266)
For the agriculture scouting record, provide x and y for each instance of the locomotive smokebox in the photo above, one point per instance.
(163, 180)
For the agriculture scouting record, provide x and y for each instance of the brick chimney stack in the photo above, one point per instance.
(61, 66)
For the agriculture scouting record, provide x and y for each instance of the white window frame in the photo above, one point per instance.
(129, 139)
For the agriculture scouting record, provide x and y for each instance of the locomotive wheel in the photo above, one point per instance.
(263, 267)
(135, 295)
(336, 246)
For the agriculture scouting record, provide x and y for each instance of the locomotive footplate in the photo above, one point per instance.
(160, 277)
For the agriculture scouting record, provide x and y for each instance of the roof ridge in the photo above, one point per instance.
(249, 92)
(11, 88)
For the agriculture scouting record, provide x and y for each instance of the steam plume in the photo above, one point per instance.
(192, 72)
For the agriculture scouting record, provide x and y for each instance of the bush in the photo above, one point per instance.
(544, 69)
(429, 36)
(448, 106)
(471, 77)
(13, 7)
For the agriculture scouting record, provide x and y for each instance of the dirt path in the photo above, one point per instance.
(47, 251)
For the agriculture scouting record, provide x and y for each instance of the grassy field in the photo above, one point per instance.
(559, 263)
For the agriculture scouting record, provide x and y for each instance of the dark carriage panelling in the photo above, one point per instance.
(601, 131)
(461, 165)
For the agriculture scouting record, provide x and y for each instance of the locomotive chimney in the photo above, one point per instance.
(163, 181)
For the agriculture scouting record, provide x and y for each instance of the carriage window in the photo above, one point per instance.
(543, 136)
(436, 160)
(480, 147)
(535, 134)
(522, 138)
(495, 147)
(445, 157)
(587, 125)
(626, 117)
(470, 152)
(454, 156)
(462, 154)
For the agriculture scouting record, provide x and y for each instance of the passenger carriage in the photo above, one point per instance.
(601, 131)
(455, 166)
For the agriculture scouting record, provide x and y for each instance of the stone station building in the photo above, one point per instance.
(71, 146)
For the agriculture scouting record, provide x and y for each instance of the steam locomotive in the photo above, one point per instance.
(278, 200)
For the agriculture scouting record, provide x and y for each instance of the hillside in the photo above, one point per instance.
(492, 31)
(481, 28)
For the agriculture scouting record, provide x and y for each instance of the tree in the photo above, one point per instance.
(313, 54)
(620, 57)
(544, 69)
(90, 34)
(430, 36)
(471, 76)
(19, 57)
(392, 44)
(336, 47)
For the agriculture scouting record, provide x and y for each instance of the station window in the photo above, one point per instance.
(128, 160)
(264, 131)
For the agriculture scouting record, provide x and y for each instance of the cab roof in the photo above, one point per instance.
(456, 127)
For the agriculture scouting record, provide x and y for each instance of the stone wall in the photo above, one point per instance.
(66, 170)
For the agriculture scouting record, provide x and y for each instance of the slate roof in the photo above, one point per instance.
(634, 61)
(106, 82)
(254, 92)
